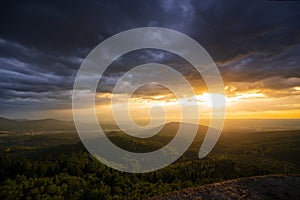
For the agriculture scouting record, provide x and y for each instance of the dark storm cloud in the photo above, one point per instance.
(258, 66)
(241, 27)
(58, 27)
(42, 43)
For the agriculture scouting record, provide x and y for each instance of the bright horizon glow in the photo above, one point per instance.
(250, 104)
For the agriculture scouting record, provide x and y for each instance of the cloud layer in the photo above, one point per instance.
(42, 44)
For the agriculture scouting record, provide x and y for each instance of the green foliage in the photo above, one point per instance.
(69, 172)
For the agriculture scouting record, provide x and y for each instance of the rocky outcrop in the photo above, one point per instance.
(258, 187)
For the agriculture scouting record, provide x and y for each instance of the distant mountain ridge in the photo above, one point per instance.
(54, 124)
(41, 124)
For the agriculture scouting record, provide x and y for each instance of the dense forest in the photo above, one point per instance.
(57, 166)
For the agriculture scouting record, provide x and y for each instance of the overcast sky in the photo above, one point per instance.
(255, 44)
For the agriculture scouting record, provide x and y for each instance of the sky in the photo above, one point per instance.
(255, 45)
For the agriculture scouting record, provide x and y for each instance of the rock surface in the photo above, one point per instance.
(258, 187)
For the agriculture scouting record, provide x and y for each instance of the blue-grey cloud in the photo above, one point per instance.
(43, 43)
